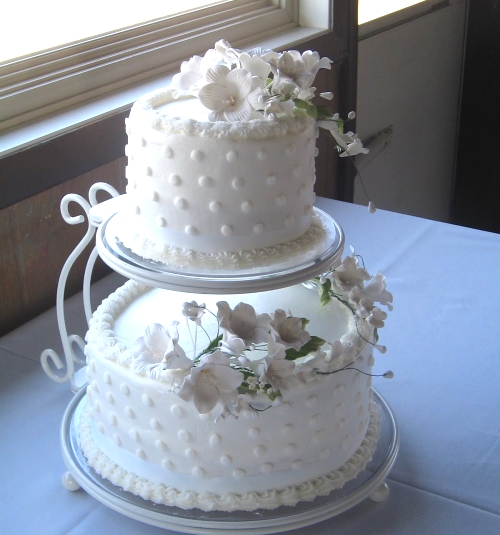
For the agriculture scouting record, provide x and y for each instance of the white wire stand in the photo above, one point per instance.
(53, 365)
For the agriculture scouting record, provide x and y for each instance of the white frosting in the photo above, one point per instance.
(146, 439)
(215, 187)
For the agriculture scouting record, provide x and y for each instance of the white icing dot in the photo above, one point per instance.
(214, 206)
(147, 400)
(297, 170)
(339, 410)
(357, 378)
(289, 221)
(137, 209)
(205, 182)
(225, 460)
(338, 390)
(109, 398)
(190, 230)
(232, 156)
(134, 435)
(307, 209)
(184, 436)
(155, 424)
(167, 464)
(359, 397)
(319, 436)
(259, 451)
(160, 445)
(100, 427)
(112, 419)
(198, 471)
(127, 150)
(361, 411)
(214, 441)
(281, 199)
(174, 180)
(287, 429)
(290, 449)
(266, 468)
(262, 154)
(190, 453)
(227, 230)
(324, 454)
(315, 420)
(284, 407)
(290, 149)
(197, 155)
(253, 432)
(89, 390)
(297, 465)
(125, 390)
(168, 152)
(161, 221)
(129, 412)
(271, 179)
(258, 228)
(369, 382)
(346, 441)
(128, 173)
(312, 401)
(316, 152)
(247, 206)
(177, 411)
(95, 386)
(148, 171)
(97, 406)
(342, 423)
(371, 360)
(117, 440)
(140, 453)
(142, 142)
(92, 365)
(238, 183)
(154, 196)
(180, 203)
(239, 473)
(107, 378)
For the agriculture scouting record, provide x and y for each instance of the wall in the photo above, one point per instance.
(409, 77)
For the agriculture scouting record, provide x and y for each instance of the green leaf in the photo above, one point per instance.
(325, 295)
(212, 346)
(312, 111)
(302, 104)
(324, 112)
(313, 345)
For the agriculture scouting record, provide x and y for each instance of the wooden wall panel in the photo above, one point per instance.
(35, 242)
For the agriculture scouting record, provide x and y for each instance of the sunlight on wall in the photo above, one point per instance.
(373, 9)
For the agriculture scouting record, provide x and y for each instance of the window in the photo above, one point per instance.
(35, 86)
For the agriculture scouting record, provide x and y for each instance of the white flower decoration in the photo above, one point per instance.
(192, 74)
(275, 369)
(244, 323)
(376, 318)
(212, 381)
(375, 288)
(349, 274)
(228, 94)
(159, 350)
(350, 142)
(193, 311)
(288, 330)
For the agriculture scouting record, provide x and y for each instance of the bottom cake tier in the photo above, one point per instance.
(239, 406)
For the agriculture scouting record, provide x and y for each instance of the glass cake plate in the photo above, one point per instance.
(307, 260)
(369, 483)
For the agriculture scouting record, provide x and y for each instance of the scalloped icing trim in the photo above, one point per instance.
(240, 259)
(250, 501)
(102, 337)
(144, 110)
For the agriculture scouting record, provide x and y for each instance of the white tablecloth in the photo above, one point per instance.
(443, 341)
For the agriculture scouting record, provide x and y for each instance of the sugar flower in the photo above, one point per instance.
(159, 350)
(213, 381)
(193, 311)
(275, 369)
(349, 274)
(375, 288)
(287, 330)
(244, 323)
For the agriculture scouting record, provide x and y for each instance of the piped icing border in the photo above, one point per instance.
(175, 256)
(170, 496)
(144, 111)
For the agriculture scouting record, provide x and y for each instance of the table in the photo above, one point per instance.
(443, 341)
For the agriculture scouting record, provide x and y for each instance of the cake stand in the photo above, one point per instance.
(308, 263)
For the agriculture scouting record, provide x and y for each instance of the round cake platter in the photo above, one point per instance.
(370, 483)
(308, 259)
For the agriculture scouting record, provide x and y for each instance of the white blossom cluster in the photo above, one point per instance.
(233, 84)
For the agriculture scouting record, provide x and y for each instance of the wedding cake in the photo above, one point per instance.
(232, 402)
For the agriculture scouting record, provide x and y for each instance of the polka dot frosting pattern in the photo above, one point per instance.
(174, 159)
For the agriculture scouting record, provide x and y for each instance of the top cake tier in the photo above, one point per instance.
(215, 187)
